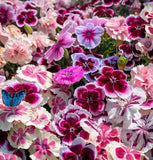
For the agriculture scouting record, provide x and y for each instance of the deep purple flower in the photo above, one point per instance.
(67, 123)
(88, 63)
(113, 81)
(136, 27)
(91, 98)
(6, 13)
(111, 2)
(78, 150)
(27, 17)
(110, 61)
(103, 11)
(89, 36)
(32, 96)
(129, 50)
(56, 51)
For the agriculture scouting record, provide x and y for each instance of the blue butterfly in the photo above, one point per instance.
(12, 101)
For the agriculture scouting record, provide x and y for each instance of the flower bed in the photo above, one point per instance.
(76, 80)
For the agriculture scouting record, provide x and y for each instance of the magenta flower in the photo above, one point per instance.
(7, 13)
(78, 150)
(32, 96)
(88, 63)
(89, 36)
(113, 81)
(56, 51)
(111, 2)
(27, 17)
(67, 123)
(68, 75)
(136, 27)
(91, 98)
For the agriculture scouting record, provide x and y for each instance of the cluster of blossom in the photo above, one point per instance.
(87, 72)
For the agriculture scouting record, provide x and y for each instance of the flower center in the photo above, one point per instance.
(147, 44)
(68, 73)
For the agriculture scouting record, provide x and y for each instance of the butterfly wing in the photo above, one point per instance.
(17, 97)
(7, 99)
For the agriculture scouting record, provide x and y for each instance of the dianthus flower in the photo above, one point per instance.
(68, 75)
(116, 27)
(89, 36)
(111, 2)
(113, 81)
(18, 50)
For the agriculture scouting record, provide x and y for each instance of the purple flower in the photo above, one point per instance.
(68, 75)
(78, 150)
(67, 123)
(103, 11)
(91, 98)
(136, 27)
(111, 2)
(56, 51)
(27, 17)
(89, 36)
(6, 13)
(88, 63)
(113, 81)
(110, 61)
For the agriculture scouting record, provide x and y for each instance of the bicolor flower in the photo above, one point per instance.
(91, 98)
(89, 36)
(27, 17)
(113, 81)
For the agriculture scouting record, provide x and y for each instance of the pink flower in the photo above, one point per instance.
(37, 74)
(68, 75)
(116, 27)
(113, 81)
(48, 23)
(9, 156)
(118, 151)
(142, 76)
(45, 147)
(18, 50)
(56, 51)
(21, 136)
(40, 117)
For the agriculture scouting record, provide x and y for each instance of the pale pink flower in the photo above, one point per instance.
(2, 60)
(40, 117)
(21, 113)
(36, 74)
(116, 27)
(18, 50)
(142, 76)
(48, 23)
(21, 136)
(45, 147)
(69, 75)
(39, 40)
